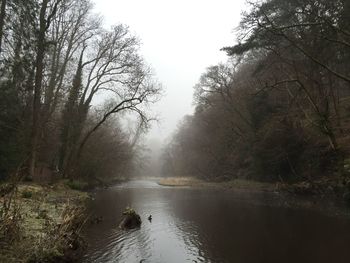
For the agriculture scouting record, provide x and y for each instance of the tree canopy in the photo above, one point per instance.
(279, 108)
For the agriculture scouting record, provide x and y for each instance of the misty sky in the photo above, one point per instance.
(180, 39)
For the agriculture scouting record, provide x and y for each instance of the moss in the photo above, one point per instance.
(129, 211)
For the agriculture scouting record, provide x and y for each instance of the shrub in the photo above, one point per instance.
(77, 185)
(27, 194)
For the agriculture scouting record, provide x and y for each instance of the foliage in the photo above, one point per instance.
(56, 61)
(10, 219)
(27, 194)
(278, 109)
(109, 154)
(77, 185)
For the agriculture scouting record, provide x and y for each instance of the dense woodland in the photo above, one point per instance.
(66, 83)
(279, 109)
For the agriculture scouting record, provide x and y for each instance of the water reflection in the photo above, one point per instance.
(210, 226)
(158, 241)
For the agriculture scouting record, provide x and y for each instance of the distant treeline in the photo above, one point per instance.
(65, 82)
(279, 110)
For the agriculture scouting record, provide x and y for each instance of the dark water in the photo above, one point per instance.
(202, 225)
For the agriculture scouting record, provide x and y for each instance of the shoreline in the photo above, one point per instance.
(233, 184)
(327, 199)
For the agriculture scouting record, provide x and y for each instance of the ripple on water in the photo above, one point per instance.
(188, 226)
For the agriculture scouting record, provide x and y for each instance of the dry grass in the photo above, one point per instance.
(180, 181)
(233, 184)
(46, 212)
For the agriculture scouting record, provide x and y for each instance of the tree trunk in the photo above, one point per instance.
(71, 120)
(39, 66)
(2, 21)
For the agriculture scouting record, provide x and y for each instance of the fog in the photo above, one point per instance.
(180, 39)
(250, 158)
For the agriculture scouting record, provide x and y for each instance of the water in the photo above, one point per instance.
(208, 225)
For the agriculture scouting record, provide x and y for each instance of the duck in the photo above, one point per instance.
(150, 218)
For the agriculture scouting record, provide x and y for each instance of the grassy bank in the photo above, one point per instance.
(40, 223)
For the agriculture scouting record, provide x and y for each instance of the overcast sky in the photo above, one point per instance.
(180, 39)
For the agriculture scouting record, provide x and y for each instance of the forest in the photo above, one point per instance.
(258, 172)
(279, 109)
(67, 84)
(75, 99)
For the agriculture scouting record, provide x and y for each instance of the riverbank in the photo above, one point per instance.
(214, 221)
(329, 195)
(233, 184)
(335, 185)
(41, 223)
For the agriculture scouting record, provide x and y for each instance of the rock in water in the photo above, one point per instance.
(131, 219)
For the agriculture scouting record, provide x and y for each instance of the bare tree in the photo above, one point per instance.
(72, 27)
(58, 63)
(114, 67)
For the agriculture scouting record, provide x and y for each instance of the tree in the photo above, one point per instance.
(309, 39)
(112, 66)
(45, 19)
(2, 20)
(57, 63)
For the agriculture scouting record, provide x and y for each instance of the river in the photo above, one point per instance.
(210, 225)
